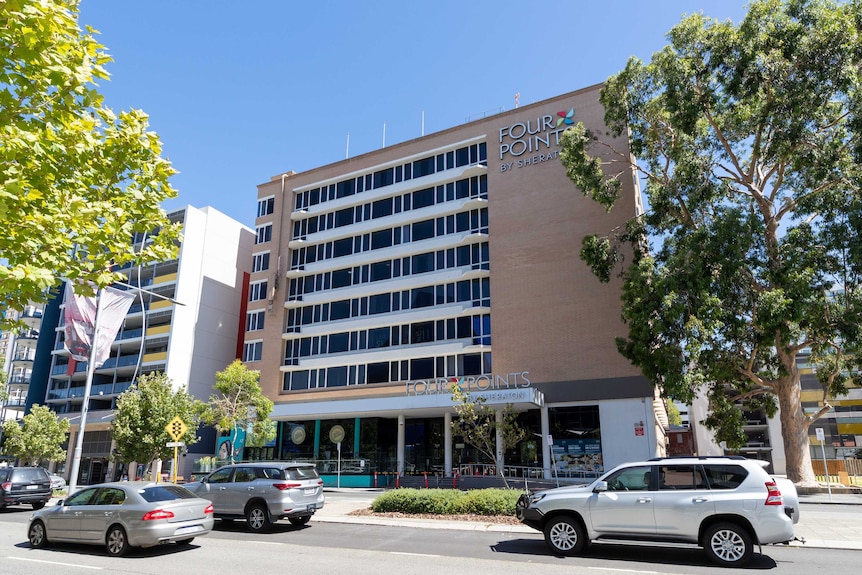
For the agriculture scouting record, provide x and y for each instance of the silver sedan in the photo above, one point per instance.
(123, 515)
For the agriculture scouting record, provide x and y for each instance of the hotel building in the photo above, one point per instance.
(380, 279)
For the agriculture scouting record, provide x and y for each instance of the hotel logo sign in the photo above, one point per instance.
(469, 384)
(534, 141)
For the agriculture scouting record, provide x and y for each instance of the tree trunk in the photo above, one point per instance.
(794, 431)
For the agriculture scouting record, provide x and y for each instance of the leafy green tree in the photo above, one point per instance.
(143, 413)
(77, 180)
(477, 424)
(747, 138)
(240, 404)
(674, 417)
(39, 436)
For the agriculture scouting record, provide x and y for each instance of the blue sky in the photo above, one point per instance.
(242, 91)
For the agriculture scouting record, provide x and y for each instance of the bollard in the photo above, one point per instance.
(454, 480)
(397, 480)
(375, 479)
(425, 473)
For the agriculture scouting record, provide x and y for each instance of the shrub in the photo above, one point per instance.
(447, 501)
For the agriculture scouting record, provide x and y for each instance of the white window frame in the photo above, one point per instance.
(252, 350)
(257, 291)
(258, 260)
(255, 320)
(263, 234)
(265, 206)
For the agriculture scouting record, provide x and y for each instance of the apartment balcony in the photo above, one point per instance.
(19, 379)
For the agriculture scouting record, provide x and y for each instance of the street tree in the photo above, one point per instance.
(477, 424)
(143, 413)
(747, 141)
(240, 404)
(77, 180)
(38, 437)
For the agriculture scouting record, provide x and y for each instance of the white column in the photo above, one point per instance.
(447, 443)
(400, 450)
(546, 449)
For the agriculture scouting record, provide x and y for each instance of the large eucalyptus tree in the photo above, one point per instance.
(747, 140)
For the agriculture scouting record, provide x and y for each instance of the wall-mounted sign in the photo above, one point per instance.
(639, 428)
(533, 142)
(297, 435)
(469, 384)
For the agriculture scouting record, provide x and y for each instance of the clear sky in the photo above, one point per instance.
(242, 91)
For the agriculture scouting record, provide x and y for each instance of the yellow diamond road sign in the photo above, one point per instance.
(176, 428)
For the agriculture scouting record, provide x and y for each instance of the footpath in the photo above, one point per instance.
(825, 522)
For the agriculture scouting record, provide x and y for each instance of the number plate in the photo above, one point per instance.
(32, 487)
(309, 491)
(190, 529)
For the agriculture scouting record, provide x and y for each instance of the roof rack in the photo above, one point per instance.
(699, 457)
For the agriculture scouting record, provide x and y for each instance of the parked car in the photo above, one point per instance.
(57, 482)
(25, 485)
(123, 515)
(724, 504)
(263, 492)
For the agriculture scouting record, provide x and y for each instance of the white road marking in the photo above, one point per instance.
(621, 570)
(413, 554)
(55, 563)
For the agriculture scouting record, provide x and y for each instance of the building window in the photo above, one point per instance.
(254, 320)
(257, 291)
(252, 351)
(261, 262)
(264, 234)
(265, 206)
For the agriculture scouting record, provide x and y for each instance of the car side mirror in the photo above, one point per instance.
(203, 480)
(60, 502)
(600, 486)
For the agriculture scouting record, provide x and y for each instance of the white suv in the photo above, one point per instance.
(724, 504)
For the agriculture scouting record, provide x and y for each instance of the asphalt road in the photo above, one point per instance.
(335, 548)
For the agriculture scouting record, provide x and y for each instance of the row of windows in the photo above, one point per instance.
(389, 371)
(471, 221)
(475, 187)
(475, 154)
(477, 328)
(476, 290)
(476, 256)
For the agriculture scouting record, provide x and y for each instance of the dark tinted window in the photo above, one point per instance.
(301, 473)
(29, 474)
(672, 477)
(378, 337)
(338, 342)
(422, 368)
(381, 208)
(381, 271)
(343, 217)
(343, 247)
(423, 167)
(423, 230)
(423, 263)
(378, 372)
(339, 309)
(725, 476)
(81, 498)
(341, 278)
(166, 493)
(381, 239)
(423, 198)
(378, 304)
(268, 473)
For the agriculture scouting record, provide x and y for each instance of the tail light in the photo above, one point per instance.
(773, 495)
(6, 486)
(285, 486)
(157, 514)
(209, 509)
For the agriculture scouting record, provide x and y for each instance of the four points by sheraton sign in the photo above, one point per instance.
(469, 384)
(534, 141)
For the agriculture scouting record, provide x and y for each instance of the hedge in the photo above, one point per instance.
(448, 501)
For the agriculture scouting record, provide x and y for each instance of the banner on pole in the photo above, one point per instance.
(111, 304)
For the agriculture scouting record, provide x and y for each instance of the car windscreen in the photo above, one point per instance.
(165, 493)
(23, 475)
(298, 473)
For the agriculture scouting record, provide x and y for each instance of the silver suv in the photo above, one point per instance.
(724, 504)
(262, 492)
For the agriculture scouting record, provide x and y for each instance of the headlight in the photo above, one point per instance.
(536, 497)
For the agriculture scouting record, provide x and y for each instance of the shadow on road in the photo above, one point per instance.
(628, 552)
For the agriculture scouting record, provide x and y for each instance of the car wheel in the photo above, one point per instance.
(565, 535)
(728, 545)
(185, 542)
(37, 536)
(39, 505)
(299, 520)
(257, 519)
(117, 542)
